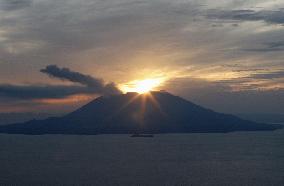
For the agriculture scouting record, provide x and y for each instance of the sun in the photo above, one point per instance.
(146, 85)
(142, 86)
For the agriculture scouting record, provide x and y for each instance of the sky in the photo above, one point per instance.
(227, 55)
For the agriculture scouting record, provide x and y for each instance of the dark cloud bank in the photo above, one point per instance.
(9, 5)
(269, 16)
(87, 85)
(272, 75)
(220, 97)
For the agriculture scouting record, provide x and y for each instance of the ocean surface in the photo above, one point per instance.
(240, 158)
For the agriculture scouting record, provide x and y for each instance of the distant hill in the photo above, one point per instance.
(14, 117)
(155, 112)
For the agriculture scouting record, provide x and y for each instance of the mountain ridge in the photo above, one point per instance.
(153, 112)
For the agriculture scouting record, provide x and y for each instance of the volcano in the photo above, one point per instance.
(153, 112)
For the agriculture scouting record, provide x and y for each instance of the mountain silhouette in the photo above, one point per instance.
(154, 112)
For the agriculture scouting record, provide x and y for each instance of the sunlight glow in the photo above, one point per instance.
(142, 86)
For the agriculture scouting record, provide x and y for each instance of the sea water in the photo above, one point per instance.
(239, 158)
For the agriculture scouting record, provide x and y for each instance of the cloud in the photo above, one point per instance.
(276, 44)
(269, 47)
(91, 86)
(135, 39)
(270, 75)
(14, 4)
(38, 92)
(269, 16)
(218, 96)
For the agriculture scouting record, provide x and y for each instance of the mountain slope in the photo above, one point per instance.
(156, 112)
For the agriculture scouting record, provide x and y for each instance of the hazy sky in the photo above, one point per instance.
(227, 55)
